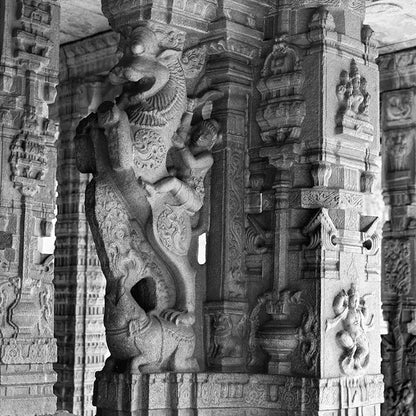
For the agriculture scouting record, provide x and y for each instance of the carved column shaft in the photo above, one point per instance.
(29, 69)
(234, 43)
(319, 127)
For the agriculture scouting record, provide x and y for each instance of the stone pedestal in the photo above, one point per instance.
(209, 394)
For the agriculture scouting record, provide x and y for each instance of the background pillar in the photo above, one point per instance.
(79, 282)
(398, 100)
(28, 76)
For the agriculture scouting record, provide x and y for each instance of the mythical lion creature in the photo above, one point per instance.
(143, 240)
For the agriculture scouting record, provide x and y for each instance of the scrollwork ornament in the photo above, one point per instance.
(173, 231)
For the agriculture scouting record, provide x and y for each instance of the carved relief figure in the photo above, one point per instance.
(139, 213)
(46, 310)
(282, 59)
(226, 336)
(352, 90)
(351, 310)
(354, 101)
(194, 150)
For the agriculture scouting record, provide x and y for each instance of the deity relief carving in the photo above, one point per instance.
(399, 144)
(399, 107)
(352, 311)
(354, 101)
(149, 154)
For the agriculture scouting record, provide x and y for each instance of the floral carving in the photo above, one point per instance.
(397, 265)
(173, 231)
(149, 150)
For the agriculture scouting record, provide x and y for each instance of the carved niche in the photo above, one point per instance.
(353, 101)
(148, 156)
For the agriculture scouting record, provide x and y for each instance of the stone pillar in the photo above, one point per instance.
(234, 44)
(29, 70)
(318, 117)
(79, 282)
(398, 98)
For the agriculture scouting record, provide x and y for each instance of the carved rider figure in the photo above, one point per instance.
(196, 158)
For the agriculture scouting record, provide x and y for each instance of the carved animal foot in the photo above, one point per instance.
(178, 318)
(140, 365)
(110, 364)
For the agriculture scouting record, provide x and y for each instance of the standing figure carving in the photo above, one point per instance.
(352, 311)
(139, 210)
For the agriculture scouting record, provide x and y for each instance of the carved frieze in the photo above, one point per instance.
(213, 393)
(356, 6)
(28, 351)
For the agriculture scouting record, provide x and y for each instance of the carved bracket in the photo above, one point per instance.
(321, 231)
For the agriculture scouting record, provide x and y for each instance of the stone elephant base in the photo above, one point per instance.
(234, 394)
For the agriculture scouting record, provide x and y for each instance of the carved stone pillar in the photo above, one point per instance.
(234, 43)
(398, 89)
(28, 76)
(79, 282)
(318, 119)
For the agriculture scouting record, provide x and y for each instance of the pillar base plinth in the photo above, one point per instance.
(234, 393)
